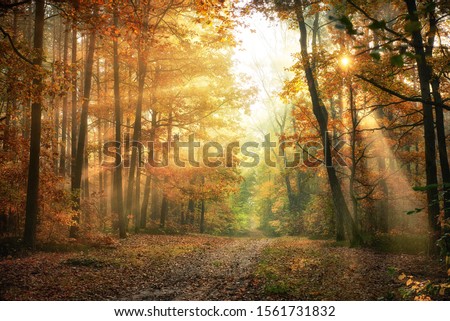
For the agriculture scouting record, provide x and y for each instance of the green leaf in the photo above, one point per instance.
(377, 25)
(430, 7)
(410, 55)
(397, 61)
(412, 26)
(425, 188)
(375, 54)
(417, 210)
(346, 22)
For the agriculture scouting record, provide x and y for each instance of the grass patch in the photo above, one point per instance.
(86, 262)
(279, 288)
(400, 243)
(216, 263)
(63, 247)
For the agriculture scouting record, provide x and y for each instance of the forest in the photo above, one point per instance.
(224, 150)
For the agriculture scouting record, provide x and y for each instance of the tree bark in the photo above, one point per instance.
(148, 180)
(118, 185)
(145, 201)
(142, 72)
(425, 74)
(86, 191)
(165, 201)
(290, 193)
(155, 199)
(62, 154)
(191, 211)
(440, 122)
(137, 209)
(32, 207)
(82, 135)
(73, 139)
(202, 217)
(442, 146)
(164, 212)
(341, 209)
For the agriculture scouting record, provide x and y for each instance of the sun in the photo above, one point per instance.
(345, 61)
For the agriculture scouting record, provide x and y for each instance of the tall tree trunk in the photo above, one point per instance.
(440, 122)
(341, 209)
(428, 122)
(137, 201)
(202, 208)
(164, 212)
(442, 146)
(353, 147)
(55, 103)
(73, 139)
(86, 191)
(62, 155)
(165, 200)
(148, 180)
(82, 135)
(155, 199)
(11, 95)
(101, 174)
(118, 188)
(142, 72)
(202, 217)
(191, 211)
(35, 143)
(145, 201)
(290, 193)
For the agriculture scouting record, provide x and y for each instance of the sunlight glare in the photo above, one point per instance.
(345, 61)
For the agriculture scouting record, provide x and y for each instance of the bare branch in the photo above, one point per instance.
(396, 94)
(18, 53)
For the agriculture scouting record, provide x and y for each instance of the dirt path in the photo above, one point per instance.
(201, 267)
(219, 273)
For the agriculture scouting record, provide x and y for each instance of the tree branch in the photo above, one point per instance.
(4, 6)
(398, 95)
(18, 53)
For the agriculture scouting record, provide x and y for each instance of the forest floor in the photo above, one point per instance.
(198, 267)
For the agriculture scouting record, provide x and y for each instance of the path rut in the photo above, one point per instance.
(218, 273)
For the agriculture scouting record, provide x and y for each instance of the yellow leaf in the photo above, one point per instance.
(409, 282)
(402, 276)
(448, 272)
(442, 291)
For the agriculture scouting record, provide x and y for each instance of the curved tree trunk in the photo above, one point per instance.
(343, 216)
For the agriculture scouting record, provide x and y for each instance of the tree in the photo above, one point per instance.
(295, 10)
(413, 44)
(118, 129)
(82, 133)
(32, 207)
